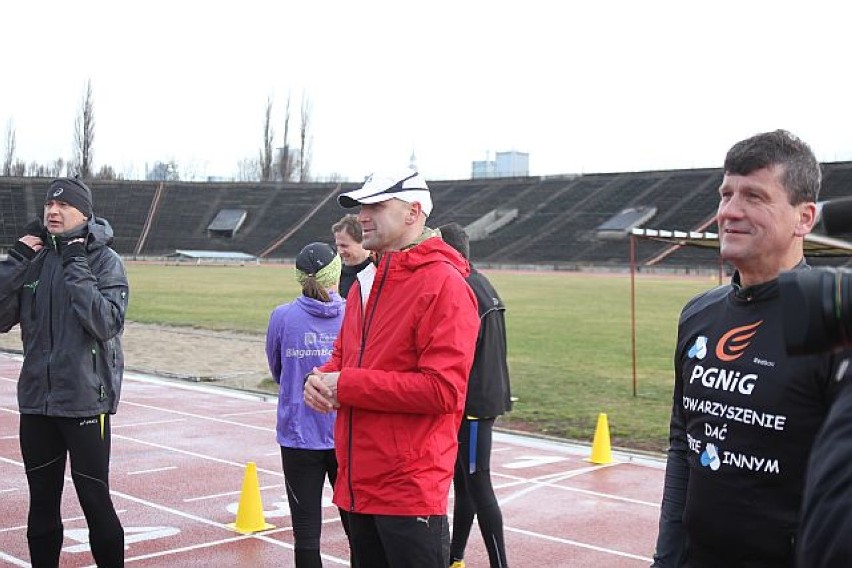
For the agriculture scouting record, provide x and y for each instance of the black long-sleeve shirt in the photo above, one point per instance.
(744, 417)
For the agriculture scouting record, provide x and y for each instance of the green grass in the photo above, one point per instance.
(570, 353)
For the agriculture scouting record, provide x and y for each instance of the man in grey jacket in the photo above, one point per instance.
(68, 291)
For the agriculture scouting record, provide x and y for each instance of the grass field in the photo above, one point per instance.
(570, 351)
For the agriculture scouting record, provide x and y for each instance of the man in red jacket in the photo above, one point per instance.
(398, 376)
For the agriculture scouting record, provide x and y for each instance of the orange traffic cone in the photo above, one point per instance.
(250, 510)
(601, 452)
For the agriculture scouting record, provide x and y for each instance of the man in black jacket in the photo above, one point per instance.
(824, 537)
(68, 291)
(488, 395)
(348, 238)
(744, 413)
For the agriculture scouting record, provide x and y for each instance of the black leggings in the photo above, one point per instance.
(304, 475)
(45, 443)
(474, 494)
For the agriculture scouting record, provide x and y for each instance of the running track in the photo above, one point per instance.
(179, 457)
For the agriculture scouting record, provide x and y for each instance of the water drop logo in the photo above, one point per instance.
(710, 457)
(698, 349)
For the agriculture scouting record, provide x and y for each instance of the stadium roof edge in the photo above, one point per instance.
(815, 244)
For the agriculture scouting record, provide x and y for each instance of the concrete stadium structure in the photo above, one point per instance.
(554, 220)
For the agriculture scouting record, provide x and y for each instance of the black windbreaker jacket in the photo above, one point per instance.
(488, 391)
(71, 311)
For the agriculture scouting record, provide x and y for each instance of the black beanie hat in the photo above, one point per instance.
(73, 192)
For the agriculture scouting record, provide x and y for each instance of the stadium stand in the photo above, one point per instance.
(554, 219)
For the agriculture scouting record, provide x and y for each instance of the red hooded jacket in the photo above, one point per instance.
(404, 360)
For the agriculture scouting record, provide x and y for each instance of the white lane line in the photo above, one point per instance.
(197, 387)
(148, 423)
(551, 480)
(11, 462)
(12, 560)
(250, 412)
(199, 416)
(154, 470)
(535, 485)
(229, 493)
(192, 454)
(579, 544)
(64, 519)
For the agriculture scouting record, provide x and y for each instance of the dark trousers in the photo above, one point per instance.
(701, 557)
(46, 441)
(474, 494)
(385, 541)
(305, 472)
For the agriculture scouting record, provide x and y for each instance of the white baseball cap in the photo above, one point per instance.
(407, 185)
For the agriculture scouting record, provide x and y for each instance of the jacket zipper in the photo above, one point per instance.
(50, 327)
(366, 323)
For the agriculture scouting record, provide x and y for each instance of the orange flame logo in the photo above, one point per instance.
(732, 345)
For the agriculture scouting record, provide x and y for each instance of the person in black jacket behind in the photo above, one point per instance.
(348, 237)
(824, 537)
(488, 395)
(68, 291)
(744, 413)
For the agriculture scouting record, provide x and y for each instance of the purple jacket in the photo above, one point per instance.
(300, 337)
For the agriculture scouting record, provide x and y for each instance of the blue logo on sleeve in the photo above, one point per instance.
(698, 349)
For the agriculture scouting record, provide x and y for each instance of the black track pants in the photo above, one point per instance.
(474, 494)
(385, 541)
(45, 443)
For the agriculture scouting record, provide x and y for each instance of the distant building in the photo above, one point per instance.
(505, 164)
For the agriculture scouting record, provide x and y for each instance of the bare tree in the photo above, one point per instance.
(285, 160)
(304, 141)
(248, 169)
(9, 154)
(266, 150)
(57, 168)
(19, 168)
(84, 135)
(106, 172)
(164, 171)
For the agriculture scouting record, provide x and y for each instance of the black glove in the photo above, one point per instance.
(69, 248)
(21, 250)
(36, 229)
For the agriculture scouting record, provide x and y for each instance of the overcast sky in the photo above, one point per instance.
(583, 87)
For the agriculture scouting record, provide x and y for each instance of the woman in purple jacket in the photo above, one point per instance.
(300, 337)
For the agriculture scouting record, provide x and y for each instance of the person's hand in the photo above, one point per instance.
(34, 243)
(34, 235)
(321, 391)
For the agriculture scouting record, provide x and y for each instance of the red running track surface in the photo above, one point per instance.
(179, 457)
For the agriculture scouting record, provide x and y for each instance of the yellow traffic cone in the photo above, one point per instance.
(601, 453)
(250, 510)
